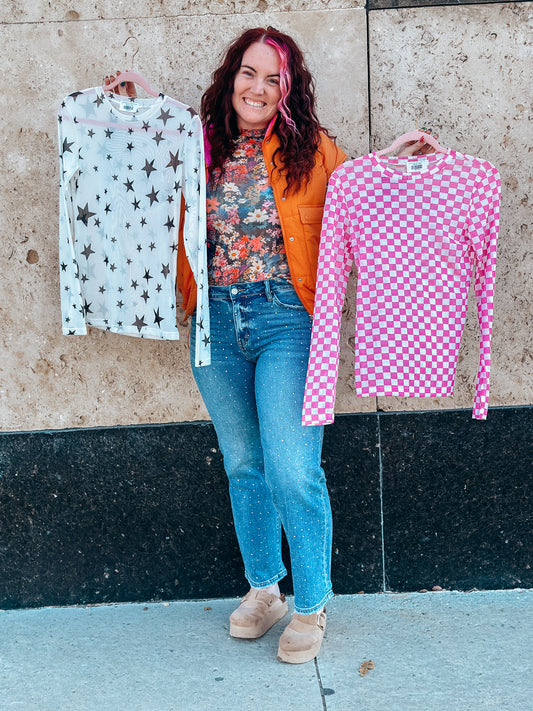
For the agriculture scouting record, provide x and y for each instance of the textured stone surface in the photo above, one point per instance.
(465, 72)
(49, 381)
(69, 11)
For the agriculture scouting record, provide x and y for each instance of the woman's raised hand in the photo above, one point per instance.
(125, 88)
(418, 148)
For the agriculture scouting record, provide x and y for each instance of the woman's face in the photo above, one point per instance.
(256, 91)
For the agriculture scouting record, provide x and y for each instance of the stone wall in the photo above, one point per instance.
(465, 70)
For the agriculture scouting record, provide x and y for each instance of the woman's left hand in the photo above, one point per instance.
(417, 148)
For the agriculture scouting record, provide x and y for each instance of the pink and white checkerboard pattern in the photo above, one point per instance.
(416, 237)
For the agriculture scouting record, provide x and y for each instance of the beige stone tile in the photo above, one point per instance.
(69, 11)
(471, 67)
(50, 381)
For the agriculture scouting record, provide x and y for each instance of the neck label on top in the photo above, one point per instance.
(416, 166)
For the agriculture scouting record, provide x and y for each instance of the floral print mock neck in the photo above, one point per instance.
(244, 238)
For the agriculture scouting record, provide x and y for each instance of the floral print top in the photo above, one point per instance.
(244, 238)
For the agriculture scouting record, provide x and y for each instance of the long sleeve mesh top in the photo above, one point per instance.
(417, 229)
(129, 170)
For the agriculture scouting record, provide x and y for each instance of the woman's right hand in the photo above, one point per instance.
(125, 88)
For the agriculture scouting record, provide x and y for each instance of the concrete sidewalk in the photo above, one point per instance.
(450, 651)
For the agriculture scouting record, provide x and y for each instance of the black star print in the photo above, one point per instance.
(136, 205)
(130, 146)
(152, 196)
(107, 208)
(134, 285)
(158, 318)
(66, 146)
(145, 296)
(86, 307)
(158, 137)
(169, 224)
(166, 270)
(63, 267)
(146, 126)
(174, 161)
(206, 340)
(102, 289)
(139, 322)
(201, 324)
(164, 116)
(129, 185)
(88, 251)
(84, 213)
(152, 246)
(147, 275)
(181, 129)
(120, 304)
(177, 186)
(143, 222)
(148, 167)
(108, 133)
(90, 132)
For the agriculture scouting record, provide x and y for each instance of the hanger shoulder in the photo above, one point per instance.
(134, 77)
(413, 136)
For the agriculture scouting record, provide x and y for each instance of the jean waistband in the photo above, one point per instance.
(266, 288)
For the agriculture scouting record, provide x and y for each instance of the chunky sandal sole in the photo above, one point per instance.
(249, 632)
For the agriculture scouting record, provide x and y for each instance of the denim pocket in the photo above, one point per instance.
(286, 297)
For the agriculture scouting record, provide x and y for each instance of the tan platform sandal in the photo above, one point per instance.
(302, 638)
(256, 614)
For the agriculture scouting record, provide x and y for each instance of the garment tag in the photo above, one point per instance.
(416, 166)
(129, 106)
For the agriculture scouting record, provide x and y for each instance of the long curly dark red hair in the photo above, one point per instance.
(296, 123)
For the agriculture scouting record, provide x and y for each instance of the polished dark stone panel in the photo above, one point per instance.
(143, 513)
(116, 514)
(350, 458)
(392, 4)
(457, 499)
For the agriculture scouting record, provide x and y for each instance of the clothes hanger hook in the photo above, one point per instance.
(132, 37)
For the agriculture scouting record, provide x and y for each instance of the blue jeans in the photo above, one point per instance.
(253, 391)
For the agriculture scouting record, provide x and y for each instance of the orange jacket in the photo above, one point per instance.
(300, 215)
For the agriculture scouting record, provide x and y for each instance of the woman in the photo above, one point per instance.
(269, 162)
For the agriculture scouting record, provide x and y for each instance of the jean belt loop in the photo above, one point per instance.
(268, 290)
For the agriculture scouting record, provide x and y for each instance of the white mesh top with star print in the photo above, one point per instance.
(417, 229)
(124, 166)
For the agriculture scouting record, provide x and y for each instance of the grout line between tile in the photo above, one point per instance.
(380, 459)
(322, 695)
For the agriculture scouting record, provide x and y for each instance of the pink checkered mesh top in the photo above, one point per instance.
(417, 228)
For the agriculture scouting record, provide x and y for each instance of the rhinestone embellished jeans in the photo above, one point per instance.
(253, 391)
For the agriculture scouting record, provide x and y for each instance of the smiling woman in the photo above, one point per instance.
(269, 162)
(256, 89)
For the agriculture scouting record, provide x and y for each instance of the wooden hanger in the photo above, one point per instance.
(413, 136)
(131, 76)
